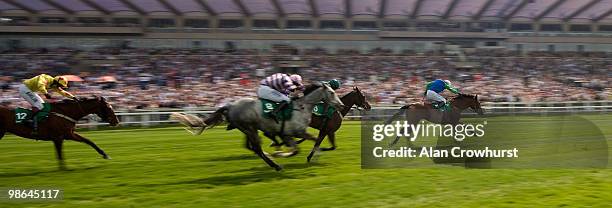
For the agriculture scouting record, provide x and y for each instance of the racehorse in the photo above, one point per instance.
(60, 124)
(247, 116)
(416, 112)
(329, 126)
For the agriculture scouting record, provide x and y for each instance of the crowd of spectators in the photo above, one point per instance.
(148, 78)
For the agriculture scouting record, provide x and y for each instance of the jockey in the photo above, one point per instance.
(334, 83)
(277, 88)
(42, 83)
(434, 89)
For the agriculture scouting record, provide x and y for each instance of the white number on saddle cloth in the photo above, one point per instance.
(269, 107)
(21, 116)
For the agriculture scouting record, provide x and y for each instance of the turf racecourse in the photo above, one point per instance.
(166, 167)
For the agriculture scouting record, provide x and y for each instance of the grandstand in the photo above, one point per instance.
(215, 51)
(362, 25)
(535, 74)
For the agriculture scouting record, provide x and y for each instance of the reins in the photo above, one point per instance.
(64, 117)
(68, 117)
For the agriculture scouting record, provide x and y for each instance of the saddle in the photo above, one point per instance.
(319, 109)
(269, 108)
(22, 114)
(441, 106)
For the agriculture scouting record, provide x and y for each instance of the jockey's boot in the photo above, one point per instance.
(445, 107)
(35, 112)
(437, 104)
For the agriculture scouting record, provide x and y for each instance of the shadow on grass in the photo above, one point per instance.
(249, 176)
(234, 157)
(38, 173)
(286, 168)
(241, 179)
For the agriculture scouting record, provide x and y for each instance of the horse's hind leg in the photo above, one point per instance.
(60, 154)
(2, 132)
(248, 145)
(255, 143)
(79, 138)
(289, 142)
(315, 149)
(275, 142)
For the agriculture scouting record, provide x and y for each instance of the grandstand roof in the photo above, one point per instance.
(527, 10)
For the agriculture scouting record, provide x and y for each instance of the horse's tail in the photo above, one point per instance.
(196, 124)
(217, 117)
(401, 111)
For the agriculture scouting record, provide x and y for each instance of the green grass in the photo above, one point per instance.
(166, 167)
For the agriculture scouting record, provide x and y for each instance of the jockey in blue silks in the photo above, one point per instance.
(433, 90)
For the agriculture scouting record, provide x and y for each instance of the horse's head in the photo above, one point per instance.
(105, 111)
(361, 101)
(322, 91)
(469, 101)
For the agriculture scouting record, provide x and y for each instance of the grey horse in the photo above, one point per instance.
(247, 116)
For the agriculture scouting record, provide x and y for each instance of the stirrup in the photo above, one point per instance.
(437, 105)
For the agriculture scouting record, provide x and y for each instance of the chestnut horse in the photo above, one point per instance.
(60, 124)
(424, 111)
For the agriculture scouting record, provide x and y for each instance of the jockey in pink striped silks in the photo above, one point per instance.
(277, 88)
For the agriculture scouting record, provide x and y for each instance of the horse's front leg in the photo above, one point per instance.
(2, 132)
(79, 138)
(315, 148)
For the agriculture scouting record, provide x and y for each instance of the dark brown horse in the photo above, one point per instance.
(424, 111)
(60, 124)
(329, 126)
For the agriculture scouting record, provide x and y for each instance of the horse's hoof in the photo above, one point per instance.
(278, 168)
(277, 153)
(267, 154)
(309, 158)
(107, 157)
(284, 154)
(313, 156)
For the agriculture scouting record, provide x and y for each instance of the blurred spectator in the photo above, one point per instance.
(152, 78)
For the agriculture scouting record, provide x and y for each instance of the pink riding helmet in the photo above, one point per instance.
(297, 79)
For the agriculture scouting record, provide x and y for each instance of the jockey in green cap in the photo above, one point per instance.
(334, 83)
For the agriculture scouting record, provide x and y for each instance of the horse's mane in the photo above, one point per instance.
(310, 88)
(461, 95)
(82, 99)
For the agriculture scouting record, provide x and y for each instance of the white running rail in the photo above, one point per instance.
(161, 116)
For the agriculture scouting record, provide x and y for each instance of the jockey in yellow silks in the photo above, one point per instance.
(43, 84)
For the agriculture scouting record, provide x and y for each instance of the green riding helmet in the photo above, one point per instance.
(334, 84)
